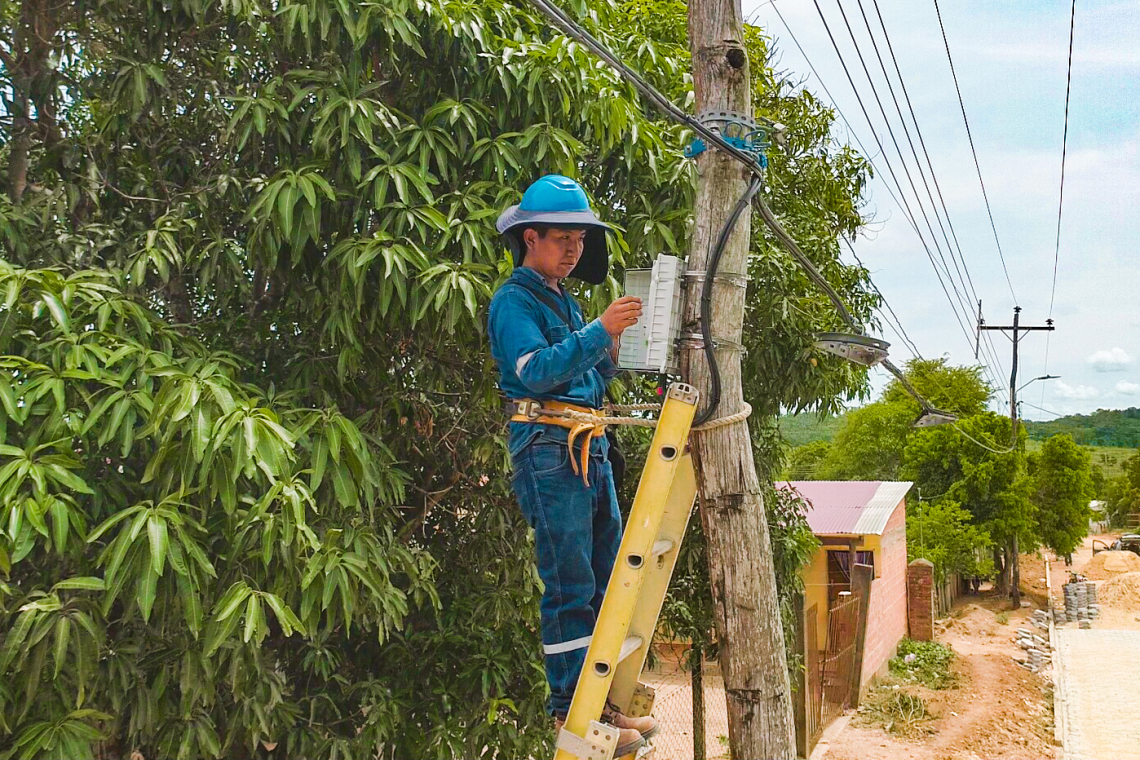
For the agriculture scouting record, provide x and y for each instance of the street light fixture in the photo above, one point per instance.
(860, 349)
(931, 417)
(1043, 377)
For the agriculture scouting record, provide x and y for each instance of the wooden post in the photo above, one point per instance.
(852, 558)
(861, 577)
(752, 658)
(800, 679)
(697, 659)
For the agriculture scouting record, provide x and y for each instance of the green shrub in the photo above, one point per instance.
(1002, 618)
(929, 666)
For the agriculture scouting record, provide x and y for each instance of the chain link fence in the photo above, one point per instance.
(679, 714)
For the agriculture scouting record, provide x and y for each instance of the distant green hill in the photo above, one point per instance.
(799, 429)
(1112, 428)
(1104, 427)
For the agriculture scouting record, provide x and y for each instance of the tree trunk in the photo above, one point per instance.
(1015, 574)
(28, 64)
(1001, 557)
(743, 581)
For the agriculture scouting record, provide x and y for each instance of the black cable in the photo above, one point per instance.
(991, 350)
(1041, 409)
(914, 153)
(977, 165)
(902, 159)
(575, 31)
(1061, 198)
(883, 150)
(922, 143)
(1064, 150)
(706, 298)
(897, 324)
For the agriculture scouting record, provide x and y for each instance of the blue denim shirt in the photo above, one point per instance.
(540, 357)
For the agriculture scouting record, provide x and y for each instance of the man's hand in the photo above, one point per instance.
(622, 313)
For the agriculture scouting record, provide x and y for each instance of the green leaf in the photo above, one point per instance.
(286, 199)
(156, 530)
(252, 617)
(219, 632)
(62, 633)
(233, 599)
(148, 589)
(81, 583)
(59, 524)
(67, 478)
(343, 485)
(288, 621)
(191, 605)
(57, 312)
(112, 521)
(320, 458)
(15, 638)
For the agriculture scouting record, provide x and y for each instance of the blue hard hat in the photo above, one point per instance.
(558, 201)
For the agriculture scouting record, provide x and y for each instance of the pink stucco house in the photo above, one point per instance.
(869, 517)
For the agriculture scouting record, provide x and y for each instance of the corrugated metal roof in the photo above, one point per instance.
(857, 507)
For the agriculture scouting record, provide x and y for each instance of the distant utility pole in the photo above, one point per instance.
(978, 334)
(1016, 328)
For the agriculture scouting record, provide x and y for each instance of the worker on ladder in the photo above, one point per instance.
(551, 360)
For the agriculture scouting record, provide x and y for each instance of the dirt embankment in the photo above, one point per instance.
(1106, 565)
(1122, 592)
(997, 710)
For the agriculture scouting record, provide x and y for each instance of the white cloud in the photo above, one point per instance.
(1080, 392)
(1125, 388)
(1112, 360)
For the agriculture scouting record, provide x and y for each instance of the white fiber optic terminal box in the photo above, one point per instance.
(651, 344)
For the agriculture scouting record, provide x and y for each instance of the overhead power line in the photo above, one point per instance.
(913, 152)
(1042, 409)
(986, 446)
(1061, 195)
(1064, 151)
(973, 150)
(898, 151)
(890, 168)
(904, 204)
(966, 279)
(991, 351)
(897, 324)
(713, 138)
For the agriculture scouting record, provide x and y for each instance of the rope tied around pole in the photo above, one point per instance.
(731, 419)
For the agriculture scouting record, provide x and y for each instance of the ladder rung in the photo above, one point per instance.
(629, 646)
(660, 547)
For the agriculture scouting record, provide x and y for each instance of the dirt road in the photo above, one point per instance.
(998, 709)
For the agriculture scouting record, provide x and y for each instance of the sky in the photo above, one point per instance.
(1011, 59)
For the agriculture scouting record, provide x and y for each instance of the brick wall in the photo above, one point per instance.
(920, 599)
(887, 617)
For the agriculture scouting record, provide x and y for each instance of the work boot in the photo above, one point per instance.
(629, 739)
(646, 726)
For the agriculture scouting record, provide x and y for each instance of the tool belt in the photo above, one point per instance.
(553, 413)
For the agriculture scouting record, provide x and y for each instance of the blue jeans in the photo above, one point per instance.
(577, 529)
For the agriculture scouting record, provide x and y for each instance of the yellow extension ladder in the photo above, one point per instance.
(624, 629)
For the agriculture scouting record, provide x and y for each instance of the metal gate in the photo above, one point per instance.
(838, 670)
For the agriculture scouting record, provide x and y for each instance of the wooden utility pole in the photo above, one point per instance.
(1016, 328)
(743, 580)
